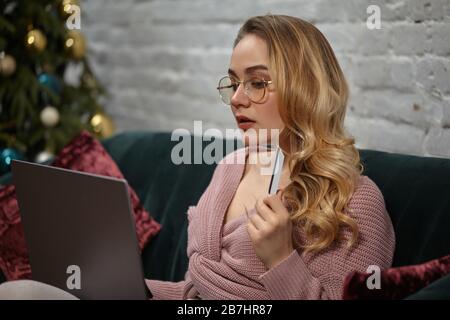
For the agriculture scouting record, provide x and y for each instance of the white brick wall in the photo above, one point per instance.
(160, 60)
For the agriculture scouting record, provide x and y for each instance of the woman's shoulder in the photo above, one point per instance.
(375, 226)
(367, 203)
(230, 163)
(367, 192)
(235, 157)
(229, 169)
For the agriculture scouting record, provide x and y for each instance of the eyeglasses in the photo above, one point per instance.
(254, 88)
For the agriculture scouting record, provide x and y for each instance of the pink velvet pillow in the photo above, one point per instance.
(396, 283)
(83, 153)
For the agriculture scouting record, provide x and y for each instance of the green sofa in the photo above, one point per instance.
(416, 191)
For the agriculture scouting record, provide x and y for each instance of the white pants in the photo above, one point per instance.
(32, 290)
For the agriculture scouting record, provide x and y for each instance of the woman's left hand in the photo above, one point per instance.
(270, 229)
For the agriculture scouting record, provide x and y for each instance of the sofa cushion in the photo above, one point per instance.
(83, 153)
(416, 191)
(438, 290)
(13, 250)
(396, 283)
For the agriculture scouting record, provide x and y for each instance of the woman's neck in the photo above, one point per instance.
(262, 163)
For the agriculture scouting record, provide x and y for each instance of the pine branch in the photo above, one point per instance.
(6, 26)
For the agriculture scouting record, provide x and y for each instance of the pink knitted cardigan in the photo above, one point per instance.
(223, 263)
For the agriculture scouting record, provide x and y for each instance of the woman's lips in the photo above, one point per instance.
(244, 125)
(243, 122)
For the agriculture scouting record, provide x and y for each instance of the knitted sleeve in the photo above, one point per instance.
(323, 276)
(165, 290)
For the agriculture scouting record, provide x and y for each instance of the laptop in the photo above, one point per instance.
(80, 232)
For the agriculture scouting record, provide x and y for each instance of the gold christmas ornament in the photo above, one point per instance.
(7, 65)
(75, 44)
(65, 7)
(35, 40)
(103, 125)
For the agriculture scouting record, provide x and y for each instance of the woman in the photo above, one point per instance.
(328, 219)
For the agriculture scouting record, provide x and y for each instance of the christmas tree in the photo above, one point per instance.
(48, 92)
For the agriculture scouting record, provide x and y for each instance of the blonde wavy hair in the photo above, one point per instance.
(323, 161)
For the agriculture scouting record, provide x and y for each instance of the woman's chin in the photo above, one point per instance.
(258, 136)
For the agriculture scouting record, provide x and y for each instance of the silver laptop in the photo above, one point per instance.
(80, 232)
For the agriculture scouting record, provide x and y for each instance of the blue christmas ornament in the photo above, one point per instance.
(6, 157)
(50, 81)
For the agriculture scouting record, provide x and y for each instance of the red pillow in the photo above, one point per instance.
(83, 153)
(396, 283)
(13, 250)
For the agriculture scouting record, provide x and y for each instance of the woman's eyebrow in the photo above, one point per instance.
(249, 69)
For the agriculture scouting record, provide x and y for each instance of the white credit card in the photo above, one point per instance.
(276, 173)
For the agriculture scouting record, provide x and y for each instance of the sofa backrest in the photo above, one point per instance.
(416, 192)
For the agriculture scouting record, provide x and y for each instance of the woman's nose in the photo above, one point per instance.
(240, 98)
